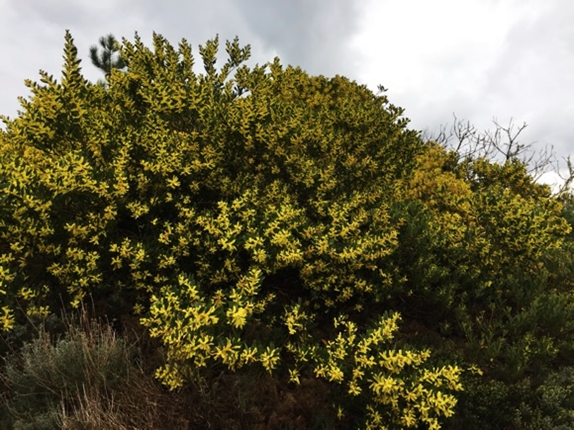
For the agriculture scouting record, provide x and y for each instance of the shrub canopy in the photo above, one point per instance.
(262, 215)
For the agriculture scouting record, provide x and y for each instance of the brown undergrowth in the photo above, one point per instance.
(94, 376)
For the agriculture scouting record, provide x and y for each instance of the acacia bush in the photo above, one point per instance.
(265, 218)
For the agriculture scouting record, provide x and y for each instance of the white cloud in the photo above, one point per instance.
(477, 59)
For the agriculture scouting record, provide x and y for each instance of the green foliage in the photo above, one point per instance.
(108, 58)
(488, 266)
(550, 405)
(486, 404)
(477, 248)
(543, 402)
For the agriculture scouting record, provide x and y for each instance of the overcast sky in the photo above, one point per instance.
(477, 59)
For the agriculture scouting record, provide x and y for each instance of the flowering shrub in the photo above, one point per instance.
(264, 217)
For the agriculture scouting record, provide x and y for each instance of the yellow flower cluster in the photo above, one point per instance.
(187, 323)
(398, 386)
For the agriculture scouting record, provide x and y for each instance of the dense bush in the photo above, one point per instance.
(261, 219)
(477, 250)
(537, 402)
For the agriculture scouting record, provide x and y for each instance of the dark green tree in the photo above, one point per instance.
(106, 56)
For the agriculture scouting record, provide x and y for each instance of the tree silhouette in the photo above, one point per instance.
(108, 57)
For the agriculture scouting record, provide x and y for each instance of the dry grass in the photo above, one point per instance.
(95, 378)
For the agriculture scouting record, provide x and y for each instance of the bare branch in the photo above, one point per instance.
(502, 144)
(566, 187)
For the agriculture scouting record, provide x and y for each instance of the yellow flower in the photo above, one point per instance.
(238, 316)
(7, 319)
(173, 182)
(269, 359)
(335, 373)
(294, 376)
(248, 355)
(26, 293)
(382, 384)
(227, 353)
(117, 262)
(354, 388)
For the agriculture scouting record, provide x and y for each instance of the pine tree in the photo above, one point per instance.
(109, 57)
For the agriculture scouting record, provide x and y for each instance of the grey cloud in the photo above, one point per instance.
(535, 71)
(529, 80)
(312, 34)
